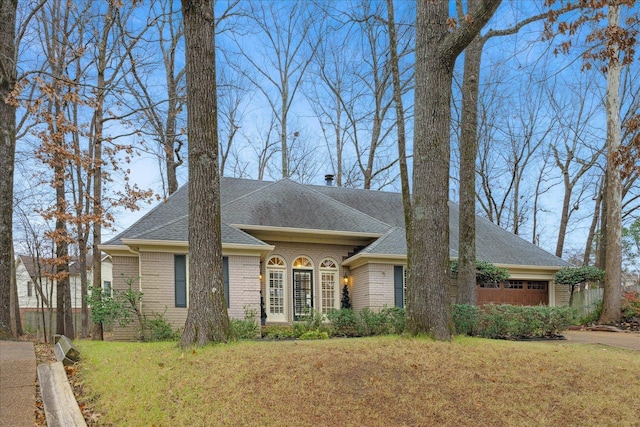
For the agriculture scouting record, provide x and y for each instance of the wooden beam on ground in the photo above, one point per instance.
(65, 351)
(60, 406)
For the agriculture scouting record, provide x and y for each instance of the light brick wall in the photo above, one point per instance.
(158, 285)
(316, 252)
(380, 290)
(125, 268)
(244, 285)
(359, 291)
(562, 294)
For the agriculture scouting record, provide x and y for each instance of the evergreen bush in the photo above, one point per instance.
(465, 319)
(247, 328)
(344, 322)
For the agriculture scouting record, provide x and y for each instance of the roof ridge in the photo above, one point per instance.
(347, 206)
(269, 184)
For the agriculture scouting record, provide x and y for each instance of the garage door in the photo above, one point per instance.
(515, 292)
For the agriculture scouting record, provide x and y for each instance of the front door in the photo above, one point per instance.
(302, 293)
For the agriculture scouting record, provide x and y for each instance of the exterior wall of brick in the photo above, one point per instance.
(157, 282)
(370, 285)
(562, 294)
(381, 290)
(358, 291)
(158, 285)
(124, 269)
(244, 285)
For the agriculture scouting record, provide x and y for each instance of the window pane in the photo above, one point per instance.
(328, 291)
(276, 292)
(181, 280)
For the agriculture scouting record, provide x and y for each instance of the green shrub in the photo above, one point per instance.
(395, 319)
(277, 332)
(495, 322)
(157, 328)
(247, 328)
(343, 322)
(373, 323)
(313, 320)
(556, 319)
(314, 335)
(465, 319)
(513, 322)
(299, 328)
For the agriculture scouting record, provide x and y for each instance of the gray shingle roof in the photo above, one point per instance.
(288, 204)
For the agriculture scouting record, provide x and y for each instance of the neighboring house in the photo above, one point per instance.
(297, 245)
(37, 287)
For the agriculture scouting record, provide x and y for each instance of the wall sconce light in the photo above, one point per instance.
(260, 276)
(345, 279)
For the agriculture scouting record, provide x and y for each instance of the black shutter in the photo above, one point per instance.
(398, 285)
(180, 270)
(225, 277)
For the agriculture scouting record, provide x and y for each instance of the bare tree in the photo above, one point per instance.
(330, 67)
(574, 153)
(400, 117)
(232, 109)
(286, 31)
(207, 318)
(160, 114)
(437, 47)
(468, 153)
(505, 158)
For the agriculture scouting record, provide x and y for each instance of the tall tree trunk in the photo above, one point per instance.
(592, 228)
(7, 155)
(98, 124)
(427, 298)
(284, 97)
(400, 125)
(611, 299)
(207, 318)
(15, 302)
(468, 154)
(564, 217)
(428, 301)
(601, 252)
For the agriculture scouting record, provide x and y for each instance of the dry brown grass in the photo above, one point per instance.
(386, 381)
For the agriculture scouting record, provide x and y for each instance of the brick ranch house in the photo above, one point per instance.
(298, 245)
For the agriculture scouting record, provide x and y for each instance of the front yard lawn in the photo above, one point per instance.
(381, 381)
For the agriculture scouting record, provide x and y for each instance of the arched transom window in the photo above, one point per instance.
(302, 262)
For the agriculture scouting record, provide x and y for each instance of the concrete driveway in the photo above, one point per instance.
(17, 383)
(628, 340)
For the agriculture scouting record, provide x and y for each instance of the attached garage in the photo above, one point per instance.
(515, 292)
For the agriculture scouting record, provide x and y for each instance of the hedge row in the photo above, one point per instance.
(511, 321)
(489, 321)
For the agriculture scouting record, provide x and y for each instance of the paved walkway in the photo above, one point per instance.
(17, 384)
(628, 340)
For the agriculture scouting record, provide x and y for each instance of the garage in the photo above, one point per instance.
(514, 292)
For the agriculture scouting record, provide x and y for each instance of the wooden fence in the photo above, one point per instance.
(585, 301)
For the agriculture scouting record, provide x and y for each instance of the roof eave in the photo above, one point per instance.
(360, 259)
